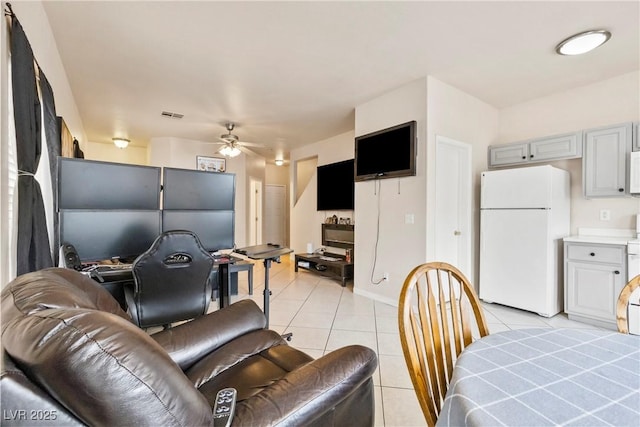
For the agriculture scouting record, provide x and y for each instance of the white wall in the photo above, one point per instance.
(608, 102)
(459, 116)
(400, 246)
(305, 220)
(108, 152)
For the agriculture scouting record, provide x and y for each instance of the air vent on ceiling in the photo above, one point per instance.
(172, 115)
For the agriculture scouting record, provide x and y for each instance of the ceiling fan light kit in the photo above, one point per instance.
(583, 42)
(229, 151)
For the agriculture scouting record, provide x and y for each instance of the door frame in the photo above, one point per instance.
(255, 211)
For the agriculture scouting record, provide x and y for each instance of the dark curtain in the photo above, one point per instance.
(51, 131)
(33, 250)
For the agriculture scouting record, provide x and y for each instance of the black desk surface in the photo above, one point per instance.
(267, 251)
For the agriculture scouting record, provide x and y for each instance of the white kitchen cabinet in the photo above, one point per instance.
(604, 162)
(636, 138)
(594, 276)
(567, 146)
(508, 154)
(549, 148)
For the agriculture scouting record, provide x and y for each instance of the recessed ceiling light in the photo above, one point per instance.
(582, 42)
(121, 142)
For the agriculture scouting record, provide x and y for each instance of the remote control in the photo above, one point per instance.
(224, 407)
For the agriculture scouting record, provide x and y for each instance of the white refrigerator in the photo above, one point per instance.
(524, 214)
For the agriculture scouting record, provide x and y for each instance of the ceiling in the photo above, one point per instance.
(291, 73)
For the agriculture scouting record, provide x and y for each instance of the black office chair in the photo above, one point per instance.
(172, 281)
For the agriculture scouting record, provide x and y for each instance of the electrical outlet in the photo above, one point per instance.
(385, 277)
(605, 215)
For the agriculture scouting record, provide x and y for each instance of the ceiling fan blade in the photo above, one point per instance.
(250, 144)
(246, 150)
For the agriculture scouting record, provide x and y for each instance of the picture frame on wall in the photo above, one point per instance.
(211, 164)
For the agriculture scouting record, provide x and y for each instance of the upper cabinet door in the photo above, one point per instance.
(511, 154)
(568, 146)
(604, 167)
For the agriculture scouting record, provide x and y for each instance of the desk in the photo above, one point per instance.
(540, 377)
(267, 253)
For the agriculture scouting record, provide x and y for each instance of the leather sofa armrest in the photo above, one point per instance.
(307, 393)
(189, 342)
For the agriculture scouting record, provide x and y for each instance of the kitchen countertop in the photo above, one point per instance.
(602, 236)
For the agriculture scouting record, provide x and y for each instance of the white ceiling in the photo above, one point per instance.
(291, 73)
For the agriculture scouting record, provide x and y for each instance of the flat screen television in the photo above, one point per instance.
(387, 153)
(335, 186)
(91, 184)
(99, 235)
(215, 229)
(192, 189)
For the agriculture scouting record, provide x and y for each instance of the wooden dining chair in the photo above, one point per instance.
(622, 307)
(439, 314)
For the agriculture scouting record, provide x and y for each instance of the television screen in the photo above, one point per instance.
(90, 184)
(387, 153)
(100, 235)
(335, 186)
(192, 189)
(215, 229)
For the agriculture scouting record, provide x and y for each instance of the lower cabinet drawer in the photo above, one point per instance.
(602, 253)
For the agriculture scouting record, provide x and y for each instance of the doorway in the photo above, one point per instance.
(275, 218)
(453, 222)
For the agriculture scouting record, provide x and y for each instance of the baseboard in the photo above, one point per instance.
(375, 297)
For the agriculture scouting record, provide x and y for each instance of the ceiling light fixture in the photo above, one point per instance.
(279, 162)
(121, 142)
(230, 151)
(583, 42)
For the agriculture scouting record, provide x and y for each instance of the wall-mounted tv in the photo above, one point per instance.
(335, 186)
(387, 153)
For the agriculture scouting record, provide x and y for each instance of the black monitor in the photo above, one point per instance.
(193, 189)
(90, 184)
(215, 229)
(99, 235)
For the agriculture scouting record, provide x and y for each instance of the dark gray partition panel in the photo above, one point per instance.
(215, 229)
(90, 184)
(192, 189)
(105, 234)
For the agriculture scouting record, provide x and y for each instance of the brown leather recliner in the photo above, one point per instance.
(72, 356)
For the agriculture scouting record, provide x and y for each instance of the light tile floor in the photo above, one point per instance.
(324, 316)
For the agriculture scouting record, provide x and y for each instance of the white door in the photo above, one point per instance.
(453, 204)
(255, 213)
(275, 214)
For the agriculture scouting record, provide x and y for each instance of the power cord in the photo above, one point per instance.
(375, 253)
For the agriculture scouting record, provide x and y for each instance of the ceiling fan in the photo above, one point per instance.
(231, 144)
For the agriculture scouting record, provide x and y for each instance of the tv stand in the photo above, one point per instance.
(339, 269)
